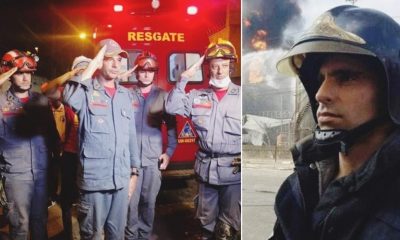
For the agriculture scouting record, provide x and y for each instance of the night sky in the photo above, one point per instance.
(52, 26)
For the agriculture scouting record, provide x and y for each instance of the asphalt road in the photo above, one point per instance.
(261, 180)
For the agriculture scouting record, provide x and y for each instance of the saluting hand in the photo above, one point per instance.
(7, 75)
(127, 74)
(191, 71)
(95, 64)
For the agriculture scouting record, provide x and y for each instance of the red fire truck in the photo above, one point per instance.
(177, 32)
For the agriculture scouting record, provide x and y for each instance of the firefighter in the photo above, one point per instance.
(67, 124)
(27, 136)
(149, 116)
(109, 162)
(346, 183)
(216, 114)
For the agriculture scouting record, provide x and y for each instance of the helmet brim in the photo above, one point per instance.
(291, 62)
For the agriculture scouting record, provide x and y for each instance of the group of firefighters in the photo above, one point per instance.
(108, 141)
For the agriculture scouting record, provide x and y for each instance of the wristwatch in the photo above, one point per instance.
(134, 172)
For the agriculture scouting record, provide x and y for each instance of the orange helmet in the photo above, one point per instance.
(221, 49)
(25, 62)
(146, 61)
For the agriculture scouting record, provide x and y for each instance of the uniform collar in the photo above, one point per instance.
(153, 89)
(233, 89)
(12, 98)
(98, 86)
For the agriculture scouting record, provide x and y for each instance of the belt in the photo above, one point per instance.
(218, 155)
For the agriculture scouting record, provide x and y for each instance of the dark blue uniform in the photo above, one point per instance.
(27, 135)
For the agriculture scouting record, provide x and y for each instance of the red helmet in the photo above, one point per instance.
(25, 62)
(221, 49)
(146, 61)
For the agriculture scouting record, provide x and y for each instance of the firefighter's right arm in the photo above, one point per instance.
(74, 95)
(59, 81)
(5, 76)
(178, 102)
(74, 91)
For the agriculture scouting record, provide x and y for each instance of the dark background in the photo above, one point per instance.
(54, 27)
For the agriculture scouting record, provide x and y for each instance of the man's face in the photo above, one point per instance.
(219, 68)
(54, 94)
(145, 77)
(21, 81)
(348, 95)
(111, 67)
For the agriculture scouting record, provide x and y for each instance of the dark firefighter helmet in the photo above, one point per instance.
(349, 30)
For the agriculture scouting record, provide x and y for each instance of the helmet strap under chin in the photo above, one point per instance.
(142, 85)
(342, 140)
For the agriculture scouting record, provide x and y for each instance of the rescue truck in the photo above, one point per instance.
(177, 32)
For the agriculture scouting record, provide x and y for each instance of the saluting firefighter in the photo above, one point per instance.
(148, 102)
(27, 136)
(216, 114)
(67, 124)
(107, 170)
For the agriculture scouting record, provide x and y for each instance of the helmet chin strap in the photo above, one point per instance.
(18, 89)
(142, 85)
(342, 140)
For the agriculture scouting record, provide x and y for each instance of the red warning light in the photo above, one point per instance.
(118, 8)
(192, 10)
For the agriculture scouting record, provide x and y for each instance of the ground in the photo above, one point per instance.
(261, 180)
(174, 214)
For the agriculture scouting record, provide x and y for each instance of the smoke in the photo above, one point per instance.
(265, 23)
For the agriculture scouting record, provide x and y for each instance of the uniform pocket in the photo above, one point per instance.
(232, 123)
(96, 163)
(155, 146)
(201, 118)
(98, 119)
(225, 171)
(85, 218)
(17, 159)
(202, 169)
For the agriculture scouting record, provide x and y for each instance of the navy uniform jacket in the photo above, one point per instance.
(107, 134)
(149, 116)
(27, 136)
(311, 204)
(218, 126)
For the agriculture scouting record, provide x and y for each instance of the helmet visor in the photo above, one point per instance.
(25, 64)
(221, 51)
